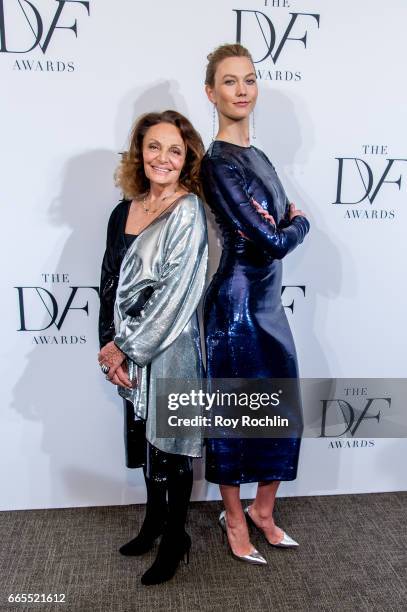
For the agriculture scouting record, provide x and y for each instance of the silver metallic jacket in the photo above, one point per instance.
(161, 281)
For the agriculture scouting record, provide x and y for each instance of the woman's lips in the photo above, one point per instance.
(160, 170)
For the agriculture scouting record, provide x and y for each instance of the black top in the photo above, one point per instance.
(129, 239)
(116, 247)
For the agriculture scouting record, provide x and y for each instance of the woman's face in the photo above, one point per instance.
(235, 89)
(164, 154)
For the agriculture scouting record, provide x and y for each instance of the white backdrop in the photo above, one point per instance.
(69, 96)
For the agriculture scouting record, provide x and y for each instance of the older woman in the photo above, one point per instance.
(153, 275)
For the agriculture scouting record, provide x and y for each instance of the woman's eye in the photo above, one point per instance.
(251, 81)
(176, 151)
(153, 146)
(229, 82)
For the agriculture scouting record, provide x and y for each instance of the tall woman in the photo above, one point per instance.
(246, 329)
(153, 275)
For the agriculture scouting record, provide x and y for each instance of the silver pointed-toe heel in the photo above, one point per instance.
(254, 557)
(286, 542)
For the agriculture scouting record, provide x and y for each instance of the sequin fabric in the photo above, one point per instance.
(247, 334)
(140, 453)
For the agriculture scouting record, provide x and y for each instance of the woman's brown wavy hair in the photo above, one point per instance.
(130, 176)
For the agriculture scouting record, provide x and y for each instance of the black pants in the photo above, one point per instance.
(140, 453)
(166, 474)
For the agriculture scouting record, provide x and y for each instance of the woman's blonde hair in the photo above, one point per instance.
(130, 176)
(220, 53)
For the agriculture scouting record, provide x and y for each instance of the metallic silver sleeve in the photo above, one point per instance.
(172, 260)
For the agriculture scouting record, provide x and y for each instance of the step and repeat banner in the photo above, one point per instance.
(332, 117)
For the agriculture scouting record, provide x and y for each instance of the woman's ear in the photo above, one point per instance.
(210, 93)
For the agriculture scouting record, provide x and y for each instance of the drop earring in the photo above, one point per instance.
(253, 126)
(213, 122)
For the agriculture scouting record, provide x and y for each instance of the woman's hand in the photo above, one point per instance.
(121, 377)
(112, 357)
(263, 212)
(294, 212)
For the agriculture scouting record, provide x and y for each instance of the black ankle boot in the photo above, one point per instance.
(154, 522)
(170, 552)
(144, 541)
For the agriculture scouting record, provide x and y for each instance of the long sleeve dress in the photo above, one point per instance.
(247, 334)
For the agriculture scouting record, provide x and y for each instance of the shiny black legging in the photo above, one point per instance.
(163, 472)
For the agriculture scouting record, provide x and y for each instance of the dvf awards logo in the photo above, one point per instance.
(56, 311)
(356, 414)
(35, 27)
(366, 181)
(272, 37)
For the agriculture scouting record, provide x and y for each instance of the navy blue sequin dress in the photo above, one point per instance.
(247, 334)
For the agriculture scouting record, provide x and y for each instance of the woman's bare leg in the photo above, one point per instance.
(261, 510)
(237, 531)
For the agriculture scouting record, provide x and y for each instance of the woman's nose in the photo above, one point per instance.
(162, 156)
(241, 88)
